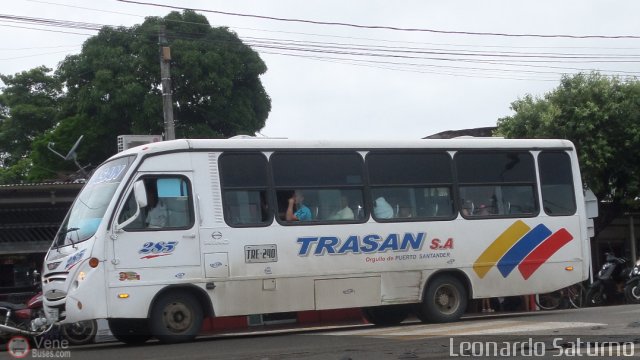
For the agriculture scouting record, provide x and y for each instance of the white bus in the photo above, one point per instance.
(165, 234)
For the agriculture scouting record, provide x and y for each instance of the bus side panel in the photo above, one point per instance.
(401, 287)
(261, 296)
(509, 276)
(135, 305)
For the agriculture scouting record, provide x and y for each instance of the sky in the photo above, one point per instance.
(459, 67)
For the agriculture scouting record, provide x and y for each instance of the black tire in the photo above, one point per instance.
(595, 296)
(130, 331)
(386, 315)
(444, 300)
(176, 317)
(549, 301)
(632, 292)
(81, 332)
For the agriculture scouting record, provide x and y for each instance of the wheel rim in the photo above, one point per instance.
(80, 328)
(177, 317)
(447, 299)
(635, 292)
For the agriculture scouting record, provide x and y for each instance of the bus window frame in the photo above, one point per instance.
(145, 176)
(275, 188)
(535, 185)
(571, 176)
(416, 186)
(267, 189)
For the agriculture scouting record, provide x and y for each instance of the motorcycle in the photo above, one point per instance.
(609, 282)
(632, 287)
(29, 319)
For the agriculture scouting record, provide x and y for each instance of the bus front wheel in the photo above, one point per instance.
(445, 300)
(176, 317)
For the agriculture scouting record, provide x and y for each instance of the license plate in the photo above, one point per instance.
(260, 253)
(52, 314)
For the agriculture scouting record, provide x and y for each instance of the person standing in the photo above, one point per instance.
(486, 305)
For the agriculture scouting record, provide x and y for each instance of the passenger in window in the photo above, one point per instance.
(405, 212)
(467, 208)
(486, 205)
(345, 213)
(301, 212)
(382, 209)
(157, 214)
(483, 210)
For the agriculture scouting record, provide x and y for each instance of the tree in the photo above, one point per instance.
(112, 87)
(29, 105)
(601, 116)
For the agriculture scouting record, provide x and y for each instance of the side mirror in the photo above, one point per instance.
(591, 204)
(140, 194)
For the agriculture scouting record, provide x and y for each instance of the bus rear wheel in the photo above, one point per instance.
(130, 331)
(176, 317)
(386, 315)
(445, 300)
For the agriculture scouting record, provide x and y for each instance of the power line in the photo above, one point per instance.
(47, 30)
(40, 47)
(84, 8)
(439, 51)
(380, 27)
(51, 22)
(346, 37)
(363, 55)
(32, 55)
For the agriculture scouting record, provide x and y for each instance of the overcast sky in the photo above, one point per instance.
(391, 84)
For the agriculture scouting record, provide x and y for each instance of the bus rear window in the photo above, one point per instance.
(556, 180)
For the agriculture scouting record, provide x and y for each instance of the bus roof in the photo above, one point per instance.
(278, 144)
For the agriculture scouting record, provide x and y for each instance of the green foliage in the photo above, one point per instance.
(29, 105)
(601, 116)
(113, 87)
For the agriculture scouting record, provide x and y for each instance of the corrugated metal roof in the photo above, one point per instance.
(30, 214)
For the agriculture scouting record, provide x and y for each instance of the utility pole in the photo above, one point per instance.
(167, 101)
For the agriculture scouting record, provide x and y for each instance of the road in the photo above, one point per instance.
(570, 333)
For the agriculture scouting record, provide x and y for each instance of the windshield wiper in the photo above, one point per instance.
(64, 233)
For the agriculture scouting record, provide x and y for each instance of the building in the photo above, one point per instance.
(30, 215)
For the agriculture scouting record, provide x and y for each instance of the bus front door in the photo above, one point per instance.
(164, 234)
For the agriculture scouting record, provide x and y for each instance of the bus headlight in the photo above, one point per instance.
(80, 278)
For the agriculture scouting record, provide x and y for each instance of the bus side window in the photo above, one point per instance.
(244, 181)
(556, 178)
(129, 210)
(169, 205)
(246, 207)
(174, 197)
(408, 185)
(323, 186)
(496, 183)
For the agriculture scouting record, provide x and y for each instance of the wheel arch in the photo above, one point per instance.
(457, 273)
(203, 299)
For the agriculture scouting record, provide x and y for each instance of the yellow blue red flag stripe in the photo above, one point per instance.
(523, 247)
(499, 247)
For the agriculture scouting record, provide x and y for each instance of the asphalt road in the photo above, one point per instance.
(576, 333)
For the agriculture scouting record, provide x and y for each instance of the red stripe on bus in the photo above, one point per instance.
(543, 252)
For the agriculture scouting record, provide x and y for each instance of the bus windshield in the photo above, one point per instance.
(87, 211)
